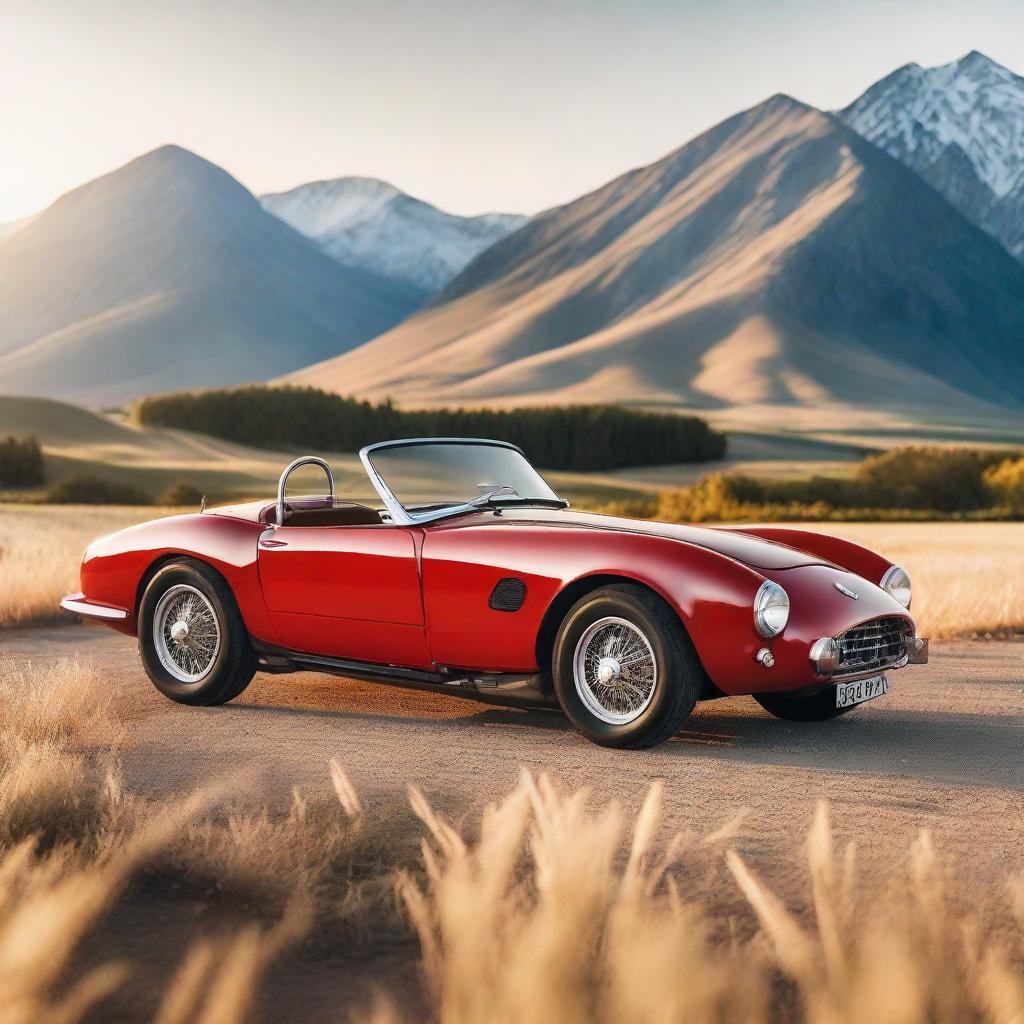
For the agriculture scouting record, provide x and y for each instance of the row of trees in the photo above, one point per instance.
(579, 438)
(21, 462)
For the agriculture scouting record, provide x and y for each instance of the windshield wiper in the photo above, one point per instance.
(489, 495)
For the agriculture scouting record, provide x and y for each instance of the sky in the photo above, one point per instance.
(511, 105)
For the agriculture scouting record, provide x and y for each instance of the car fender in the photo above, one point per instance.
(857, 559)
(116, 566)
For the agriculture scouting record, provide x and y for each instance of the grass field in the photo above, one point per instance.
(968, 577)
(604, 916)
(41, 549)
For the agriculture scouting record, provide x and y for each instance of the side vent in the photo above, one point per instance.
(508, 595)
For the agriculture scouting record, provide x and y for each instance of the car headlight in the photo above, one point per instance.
(771, 609)
(896, 583)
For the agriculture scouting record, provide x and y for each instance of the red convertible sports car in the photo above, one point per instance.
(474, 576)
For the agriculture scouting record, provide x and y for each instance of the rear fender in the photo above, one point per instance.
(116, 567)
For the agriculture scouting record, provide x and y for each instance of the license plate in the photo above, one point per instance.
(848, 694)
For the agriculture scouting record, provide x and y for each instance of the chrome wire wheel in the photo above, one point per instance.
(186, 633)
(615, 670)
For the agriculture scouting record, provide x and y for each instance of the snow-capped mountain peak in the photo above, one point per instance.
(323, 206)
(372, 224)
(972, 102)
(961, 126)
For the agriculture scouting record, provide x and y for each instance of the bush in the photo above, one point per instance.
(579, 438)
(905, 483)
(1005, 484)
(21, 462)
(95, 490)
(180, 493)
(719, 498)
(945, 479)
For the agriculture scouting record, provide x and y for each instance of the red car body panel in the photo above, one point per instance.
(863, 561)
(115, 567)
(419, 596)
(346, 591)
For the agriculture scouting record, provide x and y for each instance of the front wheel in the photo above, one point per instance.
(193, 643)
(819, 707)
(624, 669)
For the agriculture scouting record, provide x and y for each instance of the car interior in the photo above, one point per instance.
(324, 511)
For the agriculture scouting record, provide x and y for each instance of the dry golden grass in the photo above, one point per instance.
(41, 549)
(71, 839)
(561, 912)
(557, 910)
(73, 836)
(968, 577)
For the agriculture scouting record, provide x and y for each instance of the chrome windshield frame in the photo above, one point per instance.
(397, 510)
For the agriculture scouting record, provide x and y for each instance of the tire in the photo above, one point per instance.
(224, 665)
(648, 634)
(820, 707)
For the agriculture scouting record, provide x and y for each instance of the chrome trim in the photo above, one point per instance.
(852, 677)
(92, 611)
(759, 626)
(396, 509)
(919, 651)
(282, 483)
(872, 636)
(819, 649)
(615, 670)
(186, 633)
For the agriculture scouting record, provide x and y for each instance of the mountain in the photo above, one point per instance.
(777, 262)
(961, 127)
(369, 224)
(168, 274)
(9, 227)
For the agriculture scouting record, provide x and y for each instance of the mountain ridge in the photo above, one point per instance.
(167, 273)
(753, 245)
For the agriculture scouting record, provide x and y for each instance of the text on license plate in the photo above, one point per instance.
(848, 694)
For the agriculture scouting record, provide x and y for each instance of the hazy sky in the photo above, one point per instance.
(509, 104)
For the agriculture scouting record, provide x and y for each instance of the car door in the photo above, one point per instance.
(346, 591)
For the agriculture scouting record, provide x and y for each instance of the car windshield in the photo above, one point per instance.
(432, 476)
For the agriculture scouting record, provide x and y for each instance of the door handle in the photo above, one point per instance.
(273, 543)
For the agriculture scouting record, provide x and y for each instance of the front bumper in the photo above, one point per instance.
(913, 652)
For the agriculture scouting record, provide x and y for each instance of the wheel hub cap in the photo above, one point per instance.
(186, 633)
(615, 670)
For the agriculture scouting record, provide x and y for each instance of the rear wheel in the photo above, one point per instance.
(819, 707)
(624, 669)
(193, 643)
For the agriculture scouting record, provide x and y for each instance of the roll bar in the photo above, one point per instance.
(282, 484)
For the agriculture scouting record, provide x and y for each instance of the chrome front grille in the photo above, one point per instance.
(875, 645)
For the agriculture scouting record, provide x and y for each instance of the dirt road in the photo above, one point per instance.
(943, 750)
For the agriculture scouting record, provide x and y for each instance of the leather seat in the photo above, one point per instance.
(345, 514)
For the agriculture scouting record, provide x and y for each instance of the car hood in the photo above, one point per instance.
(752, 551)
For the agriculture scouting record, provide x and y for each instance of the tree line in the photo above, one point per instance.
(903, 483)
(21, 462)
(580, 438)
